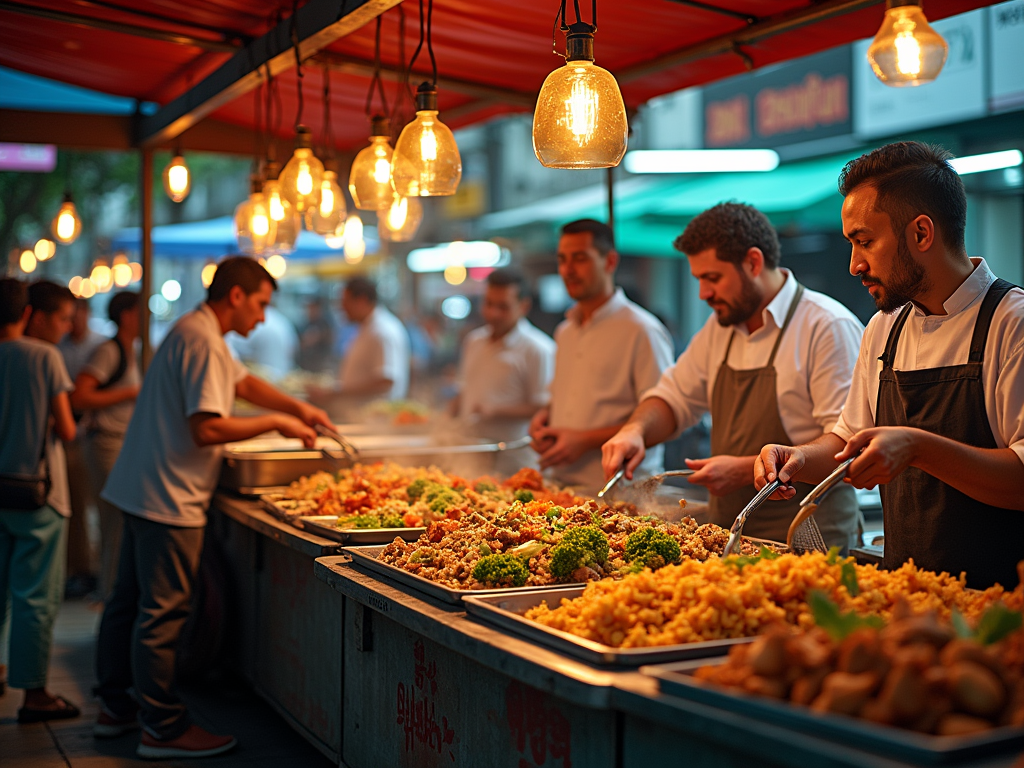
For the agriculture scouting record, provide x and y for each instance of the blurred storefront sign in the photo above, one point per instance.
(957, 95)
(33, 158)
(805, 100)
(1006, 37)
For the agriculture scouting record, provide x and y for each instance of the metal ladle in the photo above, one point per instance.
(736, 532)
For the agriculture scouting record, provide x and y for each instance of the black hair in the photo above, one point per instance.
(124, 301)
(912, 178)
(602, 235)
(731, 229)
(246, 273)
(505, 276)
(47, 297)
(362, 287)
(13, 300)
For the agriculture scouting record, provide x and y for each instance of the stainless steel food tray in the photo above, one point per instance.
(677, 680)
(366, 557)
(273, 499)
(326, 526)
(255, 467)
(507, 611)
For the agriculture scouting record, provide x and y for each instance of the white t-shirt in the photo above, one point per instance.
(601, 369)
(515, 370)
(934, 341)
(813, 367)
(102, 366)
(380, 350)
(161, 474)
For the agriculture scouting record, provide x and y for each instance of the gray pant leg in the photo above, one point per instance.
(101, 453)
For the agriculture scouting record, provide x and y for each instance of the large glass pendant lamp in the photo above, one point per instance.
(906, 50)
(177, 178)
(67, 224)
(580, 119)
(284, 221)
(303, 175)
(426, 161)
(399, 221)
(325, 217)
(369, 181)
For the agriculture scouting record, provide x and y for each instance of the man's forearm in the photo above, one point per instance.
(217, 430)
(83, 399)
(820, 457)
(264, 395)
(992, 476)
(655, 420)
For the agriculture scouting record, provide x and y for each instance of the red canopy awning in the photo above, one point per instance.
(496, 54)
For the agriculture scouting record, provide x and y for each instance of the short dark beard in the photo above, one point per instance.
(744, 308)
(907, 280)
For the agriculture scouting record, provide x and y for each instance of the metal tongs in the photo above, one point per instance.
(813, 499)
(736, 532)
(611, 483)
(350, 451)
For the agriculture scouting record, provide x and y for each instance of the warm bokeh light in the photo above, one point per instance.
(101, 277)
(67, 225)
(455, 274)
(177, 179)
(44, 249)
(87, 290)
(75, 285)
(207, 274)
(122, 274)
(27, 262)
(276, 266)
(136, 271)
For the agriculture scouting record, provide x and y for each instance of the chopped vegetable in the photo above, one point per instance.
(505, 570)
(583, 546)
(652, 548)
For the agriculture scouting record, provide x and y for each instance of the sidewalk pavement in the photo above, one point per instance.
(264, 739)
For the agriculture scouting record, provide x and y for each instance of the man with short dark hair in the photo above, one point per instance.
(773, 359)
(107, 387)
(935, 415)
(162, 481)
(506, 365)
(34, 394)
(608, 351)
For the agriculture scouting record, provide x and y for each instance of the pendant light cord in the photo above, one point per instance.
(328, 133)
(298, 59)
(564, 26)
(426, 28)
(375, 82)
(403, 82)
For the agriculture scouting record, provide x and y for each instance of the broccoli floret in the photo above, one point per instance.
(585, 545)
(501, 571)
(417, 487)
(554, 512)
(651, 548)
(391, 521)
(439, 498)
(423, 555)
(524, 495)
(482, 486)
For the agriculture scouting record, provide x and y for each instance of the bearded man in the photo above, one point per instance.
(773, 359)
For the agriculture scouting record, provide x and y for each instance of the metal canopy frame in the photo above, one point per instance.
(316, 25)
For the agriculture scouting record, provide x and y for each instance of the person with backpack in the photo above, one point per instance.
(107, 387)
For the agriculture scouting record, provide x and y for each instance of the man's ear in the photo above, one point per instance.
(236, 296)
(753, 262)
(921, 233)
(611, 261)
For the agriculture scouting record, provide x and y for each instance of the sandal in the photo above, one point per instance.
(65, 711)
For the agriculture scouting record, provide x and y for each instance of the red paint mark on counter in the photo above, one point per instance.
(538, 730)
(423, 724)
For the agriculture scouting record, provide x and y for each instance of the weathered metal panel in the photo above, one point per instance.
(411, 702)
(298, 657)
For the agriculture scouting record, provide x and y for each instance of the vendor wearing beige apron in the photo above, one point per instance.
(775, 361)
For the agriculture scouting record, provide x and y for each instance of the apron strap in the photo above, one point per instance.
(995, 294)
(785, 323)
(889, 355)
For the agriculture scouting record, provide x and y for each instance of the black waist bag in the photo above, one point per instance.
(26, 492)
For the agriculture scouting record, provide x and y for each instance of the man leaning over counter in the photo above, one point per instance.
(775, 359)
(608, 351)
(935, 415)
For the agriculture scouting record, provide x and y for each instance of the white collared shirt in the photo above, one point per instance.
(161, 474)
(934, 341)
(601, 369)
(813, 367)
(380, 350)
(514, 370)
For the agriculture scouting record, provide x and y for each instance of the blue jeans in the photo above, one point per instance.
(32, 553)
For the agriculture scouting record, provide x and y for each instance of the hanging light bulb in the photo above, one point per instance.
(336, 240)
(66, 226)
(302, 176)
(906, 50)
(101, 276)
(283, 222)
(369, 181)
(399, 221)
(580, 120)
(355, 245)
(44, 249)
(27, 261)
(426, 161)
(276, 266)
(177, 178)
(325, 217)
(252, 220)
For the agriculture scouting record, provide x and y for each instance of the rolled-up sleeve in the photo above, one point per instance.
(1010, 401)
(857, 414)
(684, 386)
(833, 358)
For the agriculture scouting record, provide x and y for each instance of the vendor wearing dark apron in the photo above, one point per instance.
(935, 415)
(775, 361)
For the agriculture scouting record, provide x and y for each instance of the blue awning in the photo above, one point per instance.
(214, 238)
